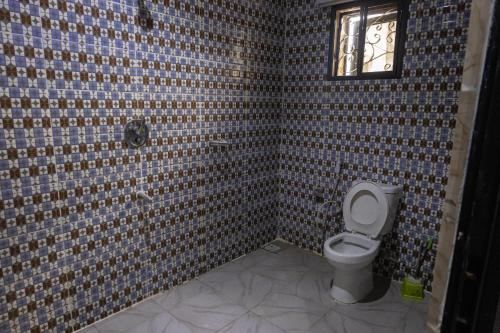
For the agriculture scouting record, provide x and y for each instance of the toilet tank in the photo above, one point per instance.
(393, 194)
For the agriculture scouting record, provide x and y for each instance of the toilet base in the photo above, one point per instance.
(353, 285)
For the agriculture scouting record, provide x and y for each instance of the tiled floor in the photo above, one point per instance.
(266, 292)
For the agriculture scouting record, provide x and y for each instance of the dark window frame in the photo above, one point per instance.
(399, 48)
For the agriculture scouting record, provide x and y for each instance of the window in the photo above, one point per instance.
(367, 40)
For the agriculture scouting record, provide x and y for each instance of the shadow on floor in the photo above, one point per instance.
(380, 287)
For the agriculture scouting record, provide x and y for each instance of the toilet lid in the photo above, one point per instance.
(365, 209)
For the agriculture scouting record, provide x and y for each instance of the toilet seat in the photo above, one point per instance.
(365, 209)
(352, 249)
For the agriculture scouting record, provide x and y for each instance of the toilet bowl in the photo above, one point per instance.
(369, 211)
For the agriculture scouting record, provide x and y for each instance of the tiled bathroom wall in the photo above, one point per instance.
(245, 133)
(76, 243)
(396, 131)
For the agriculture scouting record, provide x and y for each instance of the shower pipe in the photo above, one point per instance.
(338, 169)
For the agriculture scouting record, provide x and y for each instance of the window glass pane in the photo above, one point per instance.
(347, 41)
(380, 38)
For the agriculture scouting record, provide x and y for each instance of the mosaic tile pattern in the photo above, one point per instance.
(76, 244)
(394, 131)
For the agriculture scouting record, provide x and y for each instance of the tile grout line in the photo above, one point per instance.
(82, 330)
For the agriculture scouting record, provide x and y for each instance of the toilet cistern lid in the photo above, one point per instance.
(365, 209)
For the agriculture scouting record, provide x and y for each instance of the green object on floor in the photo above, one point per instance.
(412, 289)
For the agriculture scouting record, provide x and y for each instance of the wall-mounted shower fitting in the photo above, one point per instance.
(221, 146)
(136, 133)
(219, 143)
(319, 198)
(143, 196)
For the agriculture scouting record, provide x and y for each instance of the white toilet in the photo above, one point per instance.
(369, 211)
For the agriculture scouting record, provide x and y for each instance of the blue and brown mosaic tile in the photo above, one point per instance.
(76, 245)
(394, 131)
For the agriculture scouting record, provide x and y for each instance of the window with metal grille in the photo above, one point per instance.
(367, 40)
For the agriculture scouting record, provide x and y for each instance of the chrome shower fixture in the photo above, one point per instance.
(136, 133)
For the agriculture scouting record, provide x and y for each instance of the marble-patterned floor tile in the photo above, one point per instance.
(127, 320)
(334, 322)
(251, 323)
(207, 311)
(416, 319)
(308, 259)
(299, 272)
(290, 265)
(166, 323)
(290, 312)
(291, 256)
(285, 275)
(246, 288)
(315, 286)
(390, 293)
(171, 298)
(286, 292)
(330, 323)
(388, 311)
(281, 268)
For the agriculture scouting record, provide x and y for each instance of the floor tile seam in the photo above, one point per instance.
(244, 314)
(267, 321)
(320, 318)
(183, 321)
(364, 321)
(323, 314)
(219, 294)
(168, 311)
(252, 310)
(141, 313)
(231, 322)
(249, 308)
